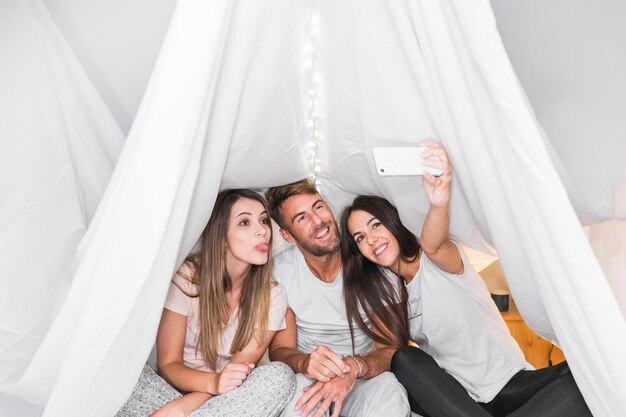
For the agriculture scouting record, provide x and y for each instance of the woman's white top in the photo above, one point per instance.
(453, 319)
(179, 302)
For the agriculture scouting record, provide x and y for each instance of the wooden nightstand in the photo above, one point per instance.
(536, 349)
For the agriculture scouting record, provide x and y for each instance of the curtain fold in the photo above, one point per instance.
(550, 268)
(224, 90)
(411, 70)
(59, 144)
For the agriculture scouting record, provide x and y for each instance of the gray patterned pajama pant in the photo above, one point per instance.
(263, 394)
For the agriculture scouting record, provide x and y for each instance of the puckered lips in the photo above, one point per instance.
(262, 247)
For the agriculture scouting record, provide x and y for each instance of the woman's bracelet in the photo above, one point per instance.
(357, 364)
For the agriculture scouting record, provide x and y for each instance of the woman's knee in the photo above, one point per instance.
(412, 360)
(275, 377)
(277, 370)
(151, 392)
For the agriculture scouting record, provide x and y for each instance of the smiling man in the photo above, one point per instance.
(316, 343)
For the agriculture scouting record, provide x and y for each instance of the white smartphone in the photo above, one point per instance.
(396, 161)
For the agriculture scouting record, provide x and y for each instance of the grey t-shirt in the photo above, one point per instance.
(319, 307)
(453, 318)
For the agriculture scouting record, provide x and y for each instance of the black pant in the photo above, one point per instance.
(548, 392)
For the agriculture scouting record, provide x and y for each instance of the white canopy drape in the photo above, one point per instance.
(254, 94)
(59, 144)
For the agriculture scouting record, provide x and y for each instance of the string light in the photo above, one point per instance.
(312, 123)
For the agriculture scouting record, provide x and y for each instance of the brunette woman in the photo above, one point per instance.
(450, 314)
(220, 314)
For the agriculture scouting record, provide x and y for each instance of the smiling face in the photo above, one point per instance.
(374, 240)
(249, 234)
(310, 224)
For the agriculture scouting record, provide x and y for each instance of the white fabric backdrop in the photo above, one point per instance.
(214, 86)
(452, 61)
(259, 93)
(569, 55)
(58, 146)
(608, 240)
(117, 43)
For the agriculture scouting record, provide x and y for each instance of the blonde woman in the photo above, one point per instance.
(221, 313)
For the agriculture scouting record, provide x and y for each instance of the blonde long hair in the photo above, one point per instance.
(212, 280)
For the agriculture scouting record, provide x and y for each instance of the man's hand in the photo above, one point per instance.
(323, 365)
(325, 393)
(232, 376)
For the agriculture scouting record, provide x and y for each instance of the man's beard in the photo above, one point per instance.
(318, 250)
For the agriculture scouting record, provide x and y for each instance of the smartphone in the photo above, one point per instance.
(396, 161)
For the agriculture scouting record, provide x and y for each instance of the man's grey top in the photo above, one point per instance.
(319, 307)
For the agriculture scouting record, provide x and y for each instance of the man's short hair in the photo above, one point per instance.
(276, 196)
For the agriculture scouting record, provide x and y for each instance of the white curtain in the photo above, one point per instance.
(569, 56)
(608, 240)
(224, 89)
(439, 69)
(253, 94)
(58, 146)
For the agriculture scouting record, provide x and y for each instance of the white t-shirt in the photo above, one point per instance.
(453, 319)
(180, 303)
(319, 307)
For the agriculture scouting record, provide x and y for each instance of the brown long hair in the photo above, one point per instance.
(212, 280)
(366, 284)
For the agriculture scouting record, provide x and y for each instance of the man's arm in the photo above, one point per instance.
(376, 362)
(322, 364)
(284, 346)
(335, 390)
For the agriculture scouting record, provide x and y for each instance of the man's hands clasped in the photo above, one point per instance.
(323, 365)
(334, 381)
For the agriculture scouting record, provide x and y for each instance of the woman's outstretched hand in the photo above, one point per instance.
(437, 188)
